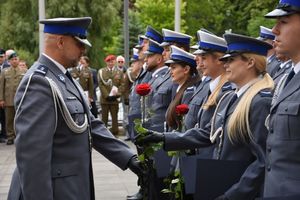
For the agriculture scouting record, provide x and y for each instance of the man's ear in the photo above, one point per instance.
(60, 41)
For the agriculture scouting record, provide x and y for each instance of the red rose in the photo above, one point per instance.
(143, 89)
(182, 109)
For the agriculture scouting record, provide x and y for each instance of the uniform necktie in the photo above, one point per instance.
(289, 77)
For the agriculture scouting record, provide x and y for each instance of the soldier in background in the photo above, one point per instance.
(121, 64)
(9, 81)
(86, 78)
(3, 62)
(94, 108)
(111, 87)
(23, 64)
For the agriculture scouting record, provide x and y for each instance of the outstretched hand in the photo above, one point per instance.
(136, 166)
(151, 137)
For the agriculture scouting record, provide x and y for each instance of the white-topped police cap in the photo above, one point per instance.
(153, 34)
(135, 54)
(171, 37)
(210, 42)
(199, 51)
(180, 56)
(154, 48)
(285, 8)
(140, 42)
(76, 27)
(265, 33)
(238, 44)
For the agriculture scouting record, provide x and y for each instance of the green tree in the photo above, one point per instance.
(18, 28)
(159, 13)
(19, 24)
(135, 28)
(102, 31)
(240, 16)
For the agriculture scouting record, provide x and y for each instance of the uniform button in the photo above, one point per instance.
(269, 149)
(269, 168)
(58, 172)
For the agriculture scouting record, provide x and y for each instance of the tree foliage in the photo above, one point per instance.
(159, 13)
(240, 16)
(105, 16)
(18, 27)
(19, 21)
(19, 24)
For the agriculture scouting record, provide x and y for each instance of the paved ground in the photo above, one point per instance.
(111, 183)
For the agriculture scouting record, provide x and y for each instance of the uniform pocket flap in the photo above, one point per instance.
(64, 169)
(288, 108)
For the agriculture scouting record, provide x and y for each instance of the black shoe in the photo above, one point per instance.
(10, 142)
(137, 196)
(2, 140)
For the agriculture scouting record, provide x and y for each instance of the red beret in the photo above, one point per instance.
(109, 58)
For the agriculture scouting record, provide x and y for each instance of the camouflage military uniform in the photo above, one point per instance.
(107, 79)
(86, 81)
(9, 81)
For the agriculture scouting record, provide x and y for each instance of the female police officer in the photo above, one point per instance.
(237, 126)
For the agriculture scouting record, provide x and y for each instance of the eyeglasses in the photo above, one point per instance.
(120, 61)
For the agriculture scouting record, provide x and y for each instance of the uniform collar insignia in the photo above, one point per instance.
(61, 78)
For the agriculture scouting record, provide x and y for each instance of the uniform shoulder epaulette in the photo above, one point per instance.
(164, 74)
(227, 86)
(265, 93)
(41, 69)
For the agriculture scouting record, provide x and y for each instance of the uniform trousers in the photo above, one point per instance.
(9, 122)
(113, 110)
(2, 121)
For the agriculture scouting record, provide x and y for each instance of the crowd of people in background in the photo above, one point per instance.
(243, 108)
(11, 72)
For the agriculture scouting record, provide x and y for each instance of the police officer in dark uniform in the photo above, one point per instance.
(143, 77)
(200, 92)
(54, 127)
(273, 62)
(282, 177)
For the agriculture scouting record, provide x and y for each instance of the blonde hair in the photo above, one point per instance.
(238, 125)
(212, 99)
